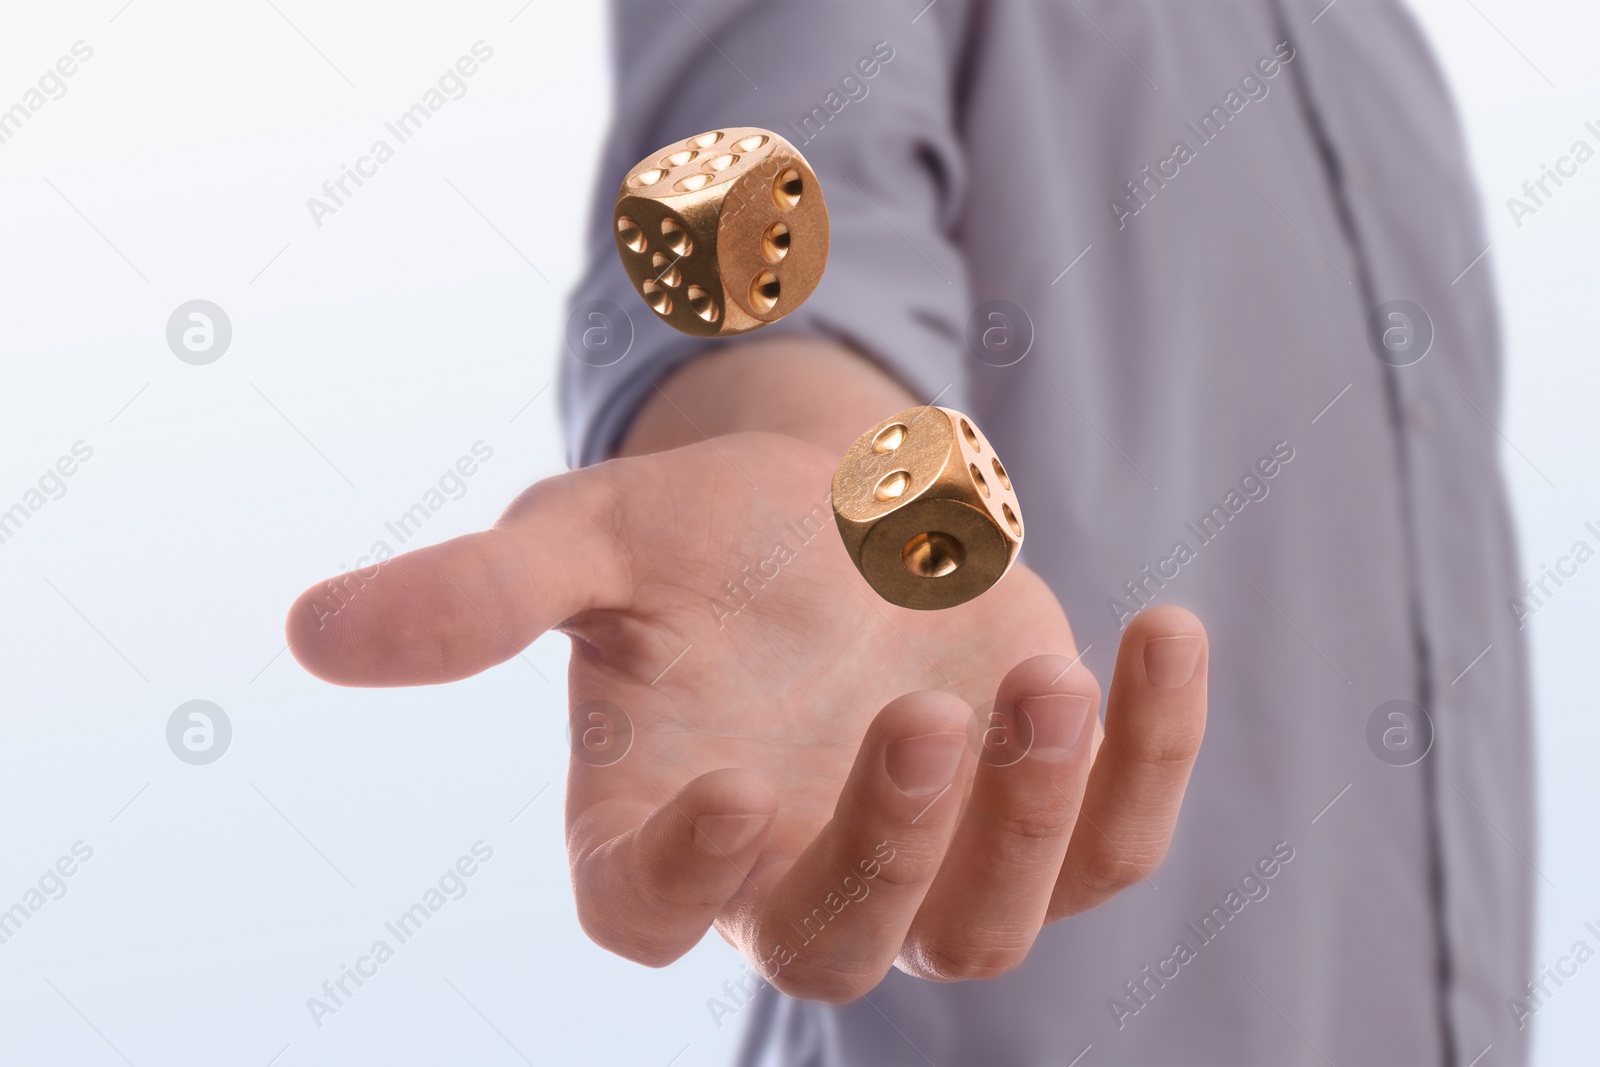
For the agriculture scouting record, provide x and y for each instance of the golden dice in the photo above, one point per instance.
(926, 509)
(724, 232)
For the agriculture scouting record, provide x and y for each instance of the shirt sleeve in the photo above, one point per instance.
(869, 98)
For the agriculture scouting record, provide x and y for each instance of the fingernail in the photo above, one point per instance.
(922, 765)
(1169, 662)
(1060, 722)
(722, 834)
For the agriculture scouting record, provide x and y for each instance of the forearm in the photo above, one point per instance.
(813, 389)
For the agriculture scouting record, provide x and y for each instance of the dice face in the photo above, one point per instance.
(724, 232)
(926, 509)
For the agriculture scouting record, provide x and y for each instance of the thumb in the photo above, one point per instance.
(448, 611)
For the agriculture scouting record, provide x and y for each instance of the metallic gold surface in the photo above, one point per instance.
(723, 232)
(926, 509)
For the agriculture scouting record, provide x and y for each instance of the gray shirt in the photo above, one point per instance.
(1192, 213)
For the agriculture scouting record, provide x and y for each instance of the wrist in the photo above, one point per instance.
(814, 390)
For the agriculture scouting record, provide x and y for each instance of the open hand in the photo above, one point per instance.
(800, 762)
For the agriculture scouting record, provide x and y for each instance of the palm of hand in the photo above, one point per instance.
(752, 641)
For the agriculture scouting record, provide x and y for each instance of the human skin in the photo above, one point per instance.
(775, 749)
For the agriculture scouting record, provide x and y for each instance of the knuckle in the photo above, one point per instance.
(1106, 873)
(830, 985)
(946, 959)
(912, 866)
(669, 899)
(1175, 752)
(1028, 821)
(1164, 755)
(809, 960)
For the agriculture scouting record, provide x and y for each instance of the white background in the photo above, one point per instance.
(369, 355)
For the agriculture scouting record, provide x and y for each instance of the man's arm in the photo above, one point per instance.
(764, 724)
(778, 725)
